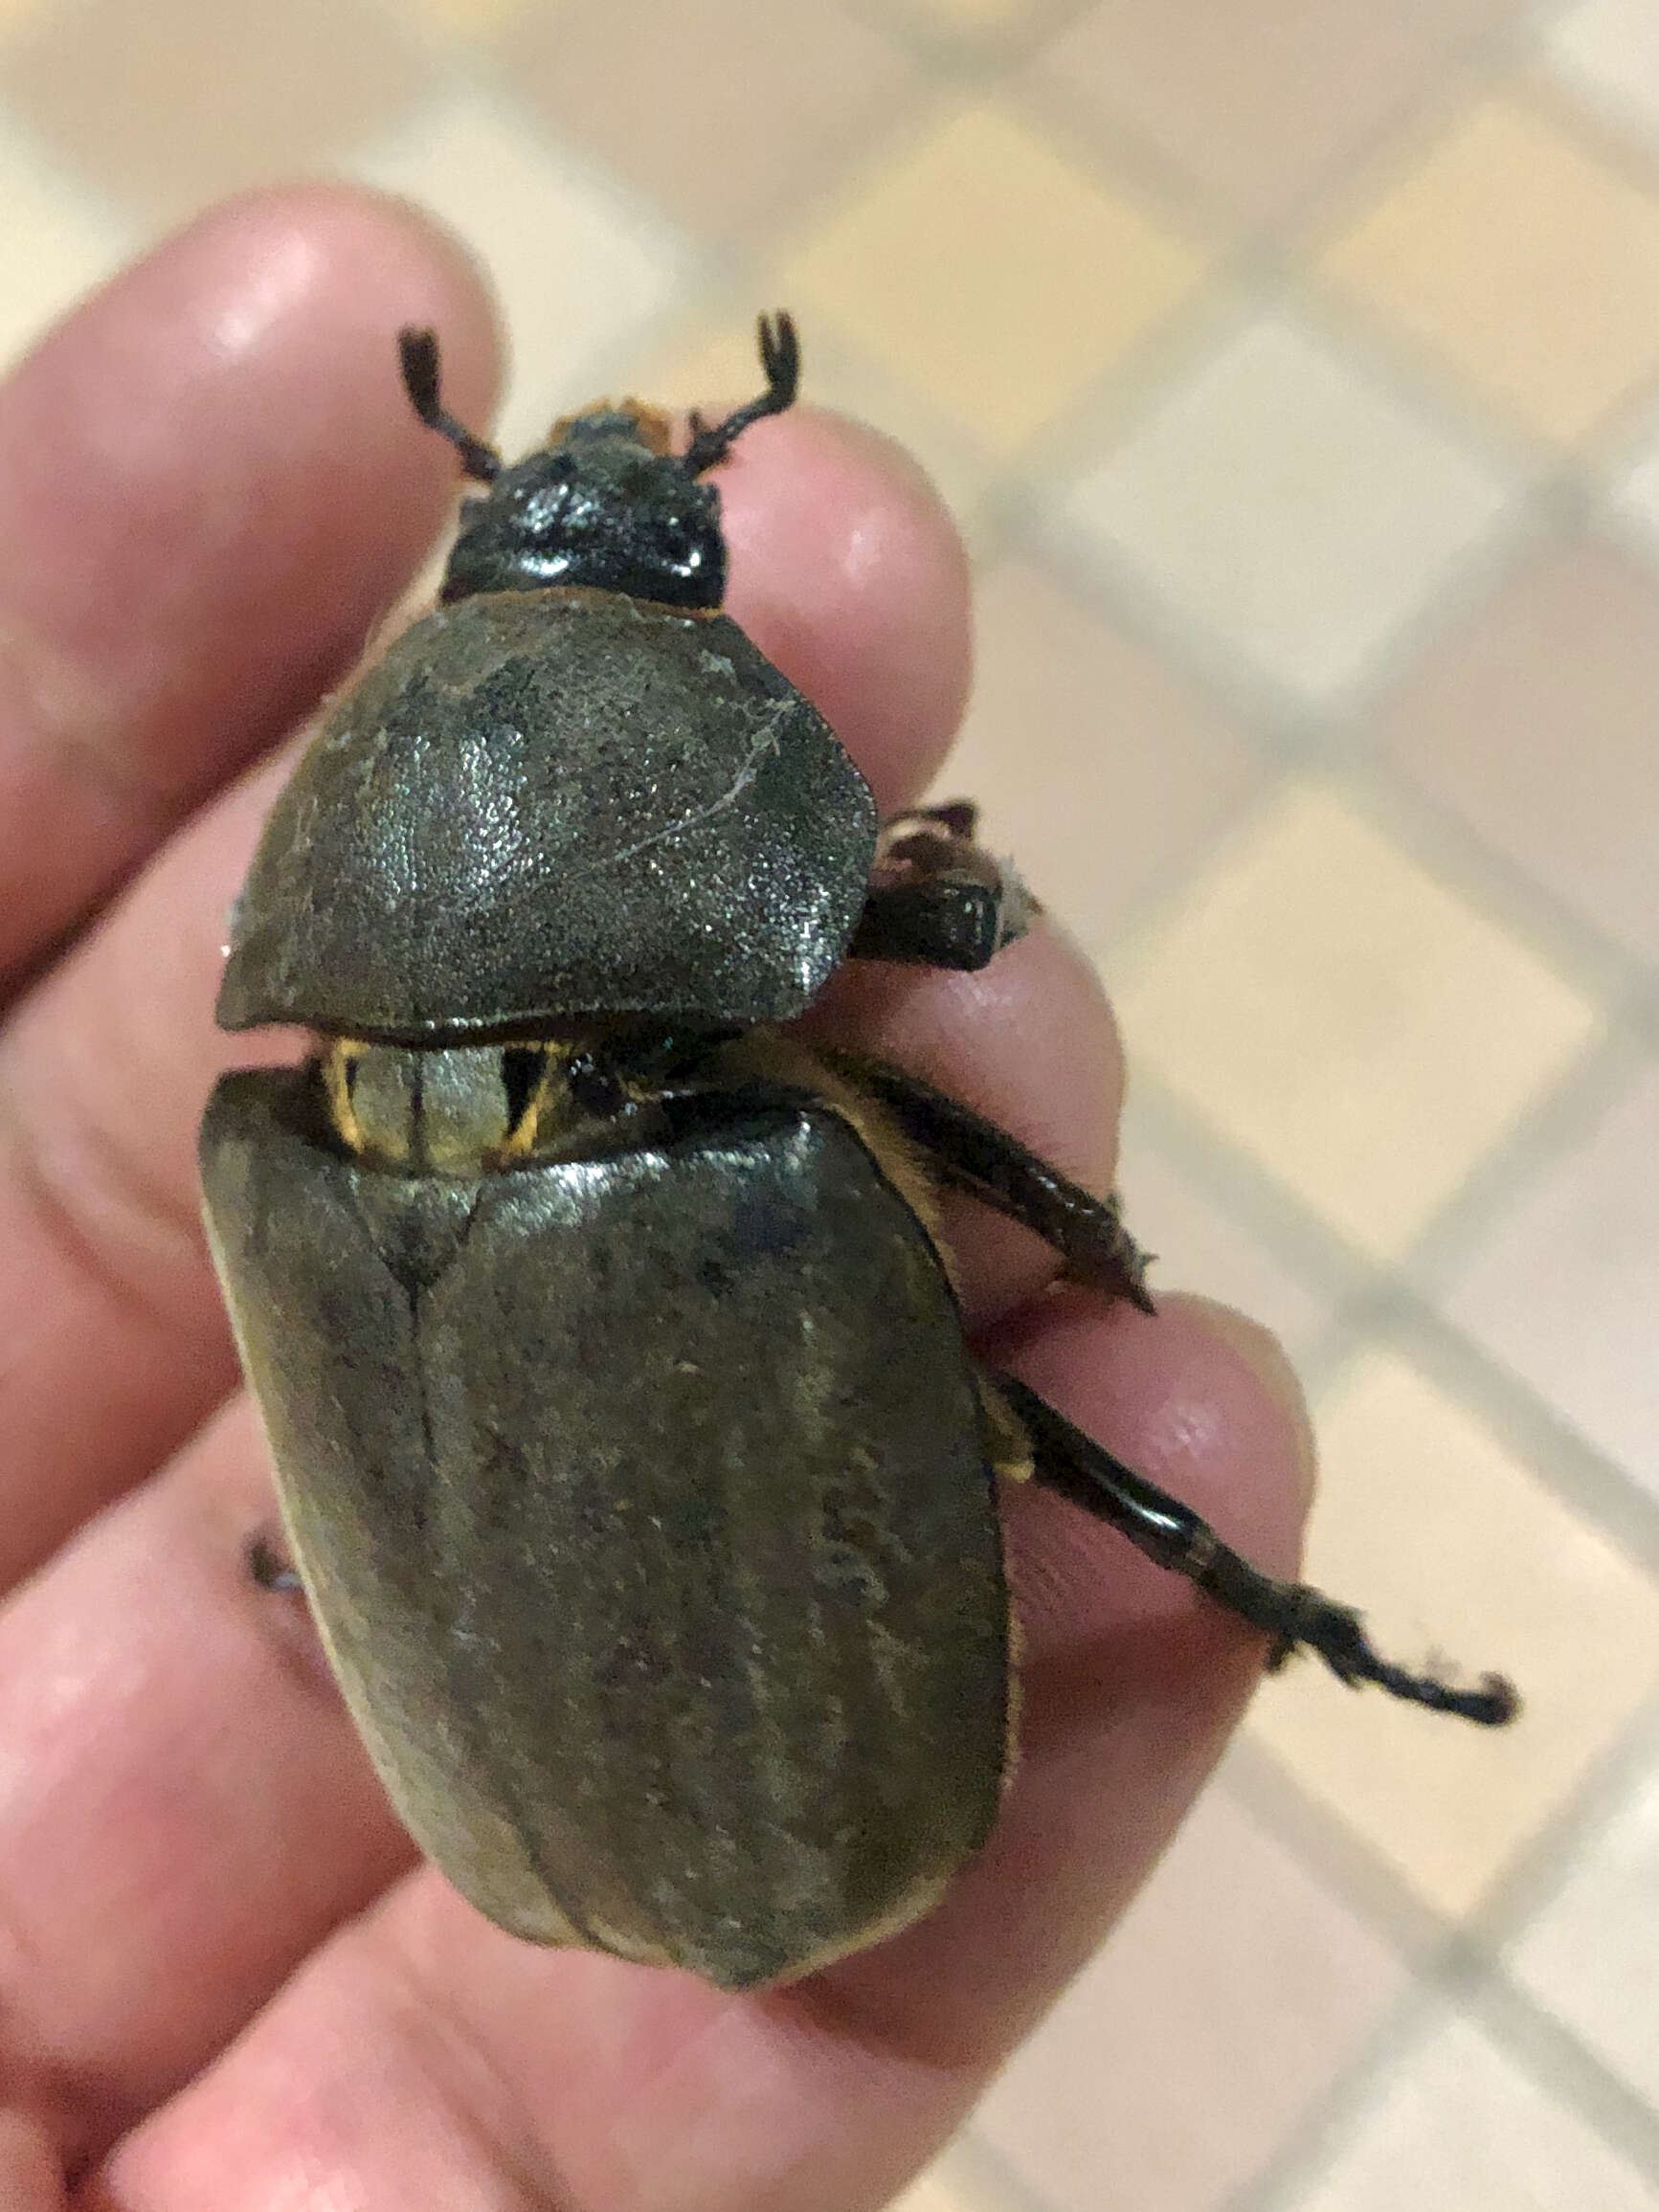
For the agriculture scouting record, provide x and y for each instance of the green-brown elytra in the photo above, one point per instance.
(631, 1453)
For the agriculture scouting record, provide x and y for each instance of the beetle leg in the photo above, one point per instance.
(965, 1150)
(1294, 1615)
(936, 898)
(267, 1565)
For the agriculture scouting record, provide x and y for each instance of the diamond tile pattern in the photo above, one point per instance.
(1562, 1287)
(741, 106)
(1535, 724)
(1295, 366)
(1593, 1954)
(997, 273)
(1608, 50)
(1461, 2128)
(1257, 101)
(1438, 1532)
(1279, 1001)
(1089, 753)
(1289, 503)
(1522, 260)
(1153, 2077)
(116, 91)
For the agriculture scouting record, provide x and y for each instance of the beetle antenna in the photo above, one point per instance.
(417, 352)
(780, 358)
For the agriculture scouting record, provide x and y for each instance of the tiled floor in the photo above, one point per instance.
(1294, 367)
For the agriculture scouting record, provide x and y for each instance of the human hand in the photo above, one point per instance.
(224, 1981)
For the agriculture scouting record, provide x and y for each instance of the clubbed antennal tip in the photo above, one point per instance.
(781, 359)
(417, 352)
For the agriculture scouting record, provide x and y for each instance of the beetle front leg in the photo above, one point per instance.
(936, 898)
(1295, 1616)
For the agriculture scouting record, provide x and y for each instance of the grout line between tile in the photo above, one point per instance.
(1296, 2164)
(988, 2179)
(1456, 1966)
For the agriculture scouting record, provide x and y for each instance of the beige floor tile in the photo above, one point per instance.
(54, 247)
(938, 2190)
(1234, 1991)
(993, 271)
(1448, 1544)
(1592, 1956)
(1199, 1245)
(1634, 489)
(1292, 509)
(166, 106)
(1565, 1287)
(15, 13)
(1535, 724)
(469, 18)
(1523, 260)
(1258, 100)
(741, 108)
(1458, 2127)
(977, 18)
(1099, 767)
(1331, 1007)
(1608, 51)
(579, 273)
(703, 364)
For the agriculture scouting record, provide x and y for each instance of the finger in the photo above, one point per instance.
(115, 1342)
(209, 494)
(1030, 1043)
(849, 574)
(184, 1809)
(423, 2060)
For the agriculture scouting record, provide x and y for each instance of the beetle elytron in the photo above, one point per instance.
(630, 1451)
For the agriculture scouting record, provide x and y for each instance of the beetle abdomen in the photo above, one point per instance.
(546, 803)
(644, 1505)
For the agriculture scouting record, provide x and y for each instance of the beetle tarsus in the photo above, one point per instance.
(1296, 1617)
(417, 352)
(781, 359)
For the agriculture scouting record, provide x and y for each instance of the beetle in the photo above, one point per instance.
(630, 1450)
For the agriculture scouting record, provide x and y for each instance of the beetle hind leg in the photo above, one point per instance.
(1295, 1616)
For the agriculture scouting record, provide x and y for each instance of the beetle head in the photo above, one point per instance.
(604, 503)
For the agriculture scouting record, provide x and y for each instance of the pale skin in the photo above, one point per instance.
(225, 1981)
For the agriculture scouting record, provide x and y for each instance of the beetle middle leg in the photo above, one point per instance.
(1297, 1616)
(973, 1154)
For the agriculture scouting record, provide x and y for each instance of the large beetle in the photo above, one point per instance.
(630, 1451)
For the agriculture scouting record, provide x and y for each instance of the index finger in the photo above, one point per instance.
(208, 496)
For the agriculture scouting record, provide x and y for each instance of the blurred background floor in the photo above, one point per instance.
(1293, 366)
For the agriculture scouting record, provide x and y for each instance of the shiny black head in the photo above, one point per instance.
(605, 504)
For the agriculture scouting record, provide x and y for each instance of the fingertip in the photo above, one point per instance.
(1197, 1398)
(212, 480)
(850, 572)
